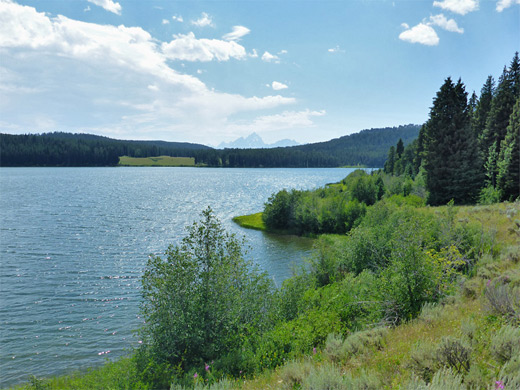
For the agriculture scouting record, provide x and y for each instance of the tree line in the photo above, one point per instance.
(368, 147)
(469, 149)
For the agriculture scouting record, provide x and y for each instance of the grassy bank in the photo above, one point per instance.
(252, 221)
(160, 161)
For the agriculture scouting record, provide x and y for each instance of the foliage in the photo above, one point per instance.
(203, 299)
(451, 156)
(506, 343)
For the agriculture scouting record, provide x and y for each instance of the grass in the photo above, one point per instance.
(252, 221)
(160, 161)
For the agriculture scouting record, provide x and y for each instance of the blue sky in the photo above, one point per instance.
(212, 71)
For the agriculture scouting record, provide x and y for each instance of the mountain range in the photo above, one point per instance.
(254, 141)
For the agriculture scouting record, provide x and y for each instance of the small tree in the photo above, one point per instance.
(203, 299)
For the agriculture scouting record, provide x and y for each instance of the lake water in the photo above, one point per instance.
(74, 242)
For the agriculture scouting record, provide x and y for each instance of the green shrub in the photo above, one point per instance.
(294, 373)
(423, 361)
(333, 348)
(455, 354)
(326, 376)
(444, 379)
(204, 299)
(506, 343)
(361, 341)
(489, 195)
(503, 300)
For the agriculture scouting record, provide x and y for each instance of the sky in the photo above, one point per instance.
(213, 71)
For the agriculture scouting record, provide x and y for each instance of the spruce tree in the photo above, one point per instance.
(508, 178)
(483, 107)
(506, 94)
(390, 161)
(399, 149)
(453, 167)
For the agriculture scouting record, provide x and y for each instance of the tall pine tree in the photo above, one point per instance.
(506, 94)
(483, 107)
(453, 168)
(508, 178)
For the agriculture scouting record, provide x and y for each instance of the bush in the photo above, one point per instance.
(455, 354)
(423, 361)
(204, 299)
(444, 379)
(489, 195)
(506, 343)
(294, 373)
(279, 210)
(359, 342)
(503, 300)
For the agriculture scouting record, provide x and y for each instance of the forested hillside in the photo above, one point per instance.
(368, 147)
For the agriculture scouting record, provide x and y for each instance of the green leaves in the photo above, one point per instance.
(203, 299)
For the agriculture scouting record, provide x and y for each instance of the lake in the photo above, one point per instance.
(74, 242)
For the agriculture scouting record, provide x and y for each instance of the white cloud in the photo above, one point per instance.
(421, 33)
(277, 86)
(178, 18)
(87, 8)
(282, 52)
(447, 24)
(461, 7)
(188, 48)
(165, 21)
(108, 5)
(276, 122)
(405, 25)
(503, 4)
(205, 20)
(102, 76)
(253, 54)
(336, 49)
(268, 57)
(237, 33)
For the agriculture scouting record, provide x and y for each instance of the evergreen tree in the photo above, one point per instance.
(483, 106)
(451, 159)
(390, 162)
(399, 148)
(508, 90)
(508, 178)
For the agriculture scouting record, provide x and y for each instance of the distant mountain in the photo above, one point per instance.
(254, 141)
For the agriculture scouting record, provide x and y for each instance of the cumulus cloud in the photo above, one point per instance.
(277, 86)
(461, 7)
(177, 18)
(108, 5)
(237, 33)
(205, 20)
(188, 48)
(165, 21)
(102, 76)
(503, 4)
(268, 57)
(253, 54)
(276, 122)
(447, 24)
(421, 33)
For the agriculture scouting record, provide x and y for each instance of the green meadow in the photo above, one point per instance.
(160, 161)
